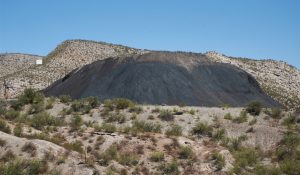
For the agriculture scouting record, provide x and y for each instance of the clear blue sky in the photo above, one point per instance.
(254, 28)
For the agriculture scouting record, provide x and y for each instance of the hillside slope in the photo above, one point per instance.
(163, 78)
(67, 56)
(278, 79)
(14, 62)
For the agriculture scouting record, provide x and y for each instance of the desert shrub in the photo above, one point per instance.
(12, 114)
(290, 167)
(267, 170)
(166, 115)
(93, 101)
(155, 110)
(18, 130)
(185, 152)
(42, 119)
(254, 108)
(118, 103)
(4, 127)
(76, 121)
(202, 129)
(275, 113)
(157, 156)
(144, 126)
(30, 96)
(57, 139)
(106, 127)
(16, 105)
(36, 108)
(2, 142)
(116, 117)
(228, 116)
(192, 112)
(175, 130)
(253, 121)
(127, 158)
(75, 146)
(218, 134)
(50, 103)
(111, 153)
(235, 143)
(136, 109)
(244, 158)
(29, 148)
(288, 147)
(290, 120)
(241, 118)
(65, 98)
(37, 167)
(2, 107)
(170, 168)
(218, 160)
(77, 105)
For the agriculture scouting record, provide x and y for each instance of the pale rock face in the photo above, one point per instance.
(277, 78)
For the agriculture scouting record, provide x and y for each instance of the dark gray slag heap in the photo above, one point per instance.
(163, 78)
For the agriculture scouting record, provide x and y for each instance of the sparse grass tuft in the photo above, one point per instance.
(157, 156)
(174, 130)
(202, 129)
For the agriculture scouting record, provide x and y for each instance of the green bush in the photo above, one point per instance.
(175, 130)
(4, 127)
(202, 129)
(136, 109)
(30, 96)
(23, 167)
(116, 117)
(42, 119)
(76, 122)
(170, 168)
(50, 103)
(18, 130)
(185, 152)
(127, 158)
(143, 126)
(228, 116)
(219, 160)
(36, 108)
(241, 118)
(219, 134)
(93, 101)
(118, 103)
(290, 120)
(12, 114)
(16, 105)
(253, 121)
(2, 107)
(106, 127)
(254, 108)
(244, 158)
(276, 113)
(65, 98)
(166, 115)
(290, 167)
(75, 146)
(267, 170)
(157, 156)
